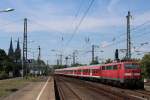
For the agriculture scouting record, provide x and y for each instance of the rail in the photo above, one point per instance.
(61, 90)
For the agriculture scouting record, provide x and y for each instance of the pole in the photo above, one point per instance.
(46, 71)
(39, 54)
(66, 61)
(92, 53)
(128, 54)
(74, 59)
(33, 55)
(47, 62)
(24, 57)
(57, 62)
(60, 59)
(22, 67)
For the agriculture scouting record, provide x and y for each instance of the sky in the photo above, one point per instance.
(55, 25)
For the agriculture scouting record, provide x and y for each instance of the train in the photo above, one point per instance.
(124, 74)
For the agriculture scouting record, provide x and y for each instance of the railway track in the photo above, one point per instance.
(63, 88)
(130, 94)
(109, 92)
(105, 91)
(143, 92)
(97, 90)
(112, 92)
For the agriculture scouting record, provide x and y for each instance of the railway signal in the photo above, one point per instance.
(117, 55)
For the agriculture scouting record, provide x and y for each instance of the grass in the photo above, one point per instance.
(9, 86)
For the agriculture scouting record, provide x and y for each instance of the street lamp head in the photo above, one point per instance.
(7, 10)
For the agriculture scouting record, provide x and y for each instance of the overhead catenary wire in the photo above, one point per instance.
(141, 25)
(81, 20)
(121, 41)
(77, 13)
(10, 23)
(44, 26)
(79, 9)
(133, 30)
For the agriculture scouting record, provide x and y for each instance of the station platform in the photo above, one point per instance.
(41, 90)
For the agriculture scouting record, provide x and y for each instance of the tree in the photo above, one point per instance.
(41, 62)
(108, 61)
(2, 54)
(7, 64)
(3, 64)
(145, 65)
(59, 66)
(76, 64)
(94, 62)
(3, 58)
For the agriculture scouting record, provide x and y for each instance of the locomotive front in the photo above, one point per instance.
(132, 75)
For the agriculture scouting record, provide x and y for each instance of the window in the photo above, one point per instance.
(131, 66)
(103, 67)
(115, 67)
(94, 70)
(79, 71)
(108, 67)
(85, 70)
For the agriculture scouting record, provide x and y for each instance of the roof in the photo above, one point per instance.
(92, 66)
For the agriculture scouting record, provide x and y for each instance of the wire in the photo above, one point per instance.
(15, 21)
(75, 18)
(141, 25)
(81, 20)
(78, 11)
(121, 41)
(45, 26)
(134, 28)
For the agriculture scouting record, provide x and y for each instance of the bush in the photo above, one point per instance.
(3, 75)
(145, 65)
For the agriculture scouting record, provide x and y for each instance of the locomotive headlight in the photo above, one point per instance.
(128, 74)
(136, 74)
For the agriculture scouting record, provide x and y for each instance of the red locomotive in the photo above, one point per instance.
(120, 73)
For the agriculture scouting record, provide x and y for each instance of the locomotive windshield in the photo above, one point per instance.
(131, 66)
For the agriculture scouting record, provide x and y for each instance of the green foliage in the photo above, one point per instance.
(108, 61)
(3, 75)
(8, 64)
(145, 65)
(77, 64)
(132, 59)
(3, 58)
(2, 54)
(41, 62)
(94, 62)
(59, 66)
